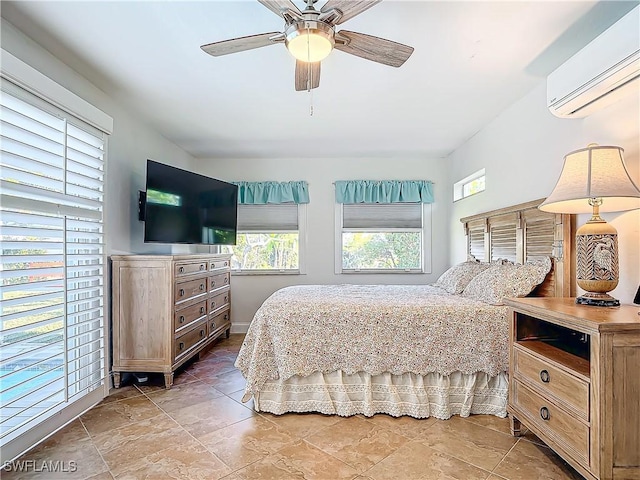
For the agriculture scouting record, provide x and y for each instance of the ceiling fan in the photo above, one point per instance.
(310, 36)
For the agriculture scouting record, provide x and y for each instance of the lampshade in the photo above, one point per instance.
(309, 41)
(593, 172)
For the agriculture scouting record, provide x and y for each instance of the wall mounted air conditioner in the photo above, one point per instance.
(600, 73)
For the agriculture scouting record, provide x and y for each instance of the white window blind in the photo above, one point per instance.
(268, 218)
(52, 270)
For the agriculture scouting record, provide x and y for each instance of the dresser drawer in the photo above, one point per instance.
(218, 264)
(548, 379)
(219, 321)
(187, 268)
(218, 281)
(184, 343)
(184, 317)
(187, 290)
(554, 422)
(218, 301)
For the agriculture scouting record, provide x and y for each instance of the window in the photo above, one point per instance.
(270, 239)
(52, 266)
(377, 238)
(469, 186)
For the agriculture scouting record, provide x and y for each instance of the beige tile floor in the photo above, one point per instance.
(200, 430)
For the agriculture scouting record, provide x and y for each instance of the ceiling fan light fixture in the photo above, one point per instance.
(310, 41)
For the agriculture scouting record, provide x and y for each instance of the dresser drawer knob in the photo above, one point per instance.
(201, 267)
(201, 333)
(213, 283)
(182, 292)
(544, 413)
(181, 346)
(226, 298)
(181, 269)
(544, 376)
(201, 286)
(226, 264)
(213, 325)
(226, 317)
(181, 318)
(226, 279)
(213, 305)
(201, 310)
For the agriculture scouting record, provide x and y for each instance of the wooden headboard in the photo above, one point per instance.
(522, 233)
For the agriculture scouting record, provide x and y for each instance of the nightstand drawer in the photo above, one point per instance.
(554, 422)
(552, 380)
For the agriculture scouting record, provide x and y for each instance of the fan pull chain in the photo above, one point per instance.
(309, 74)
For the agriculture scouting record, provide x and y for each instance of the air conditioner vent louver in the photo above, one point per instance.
(600, 73)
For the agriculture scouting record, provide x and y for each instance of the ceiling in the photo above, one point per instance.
(471, 61)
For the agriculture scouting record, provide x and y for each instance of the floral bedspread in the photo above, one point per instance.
(372, 328)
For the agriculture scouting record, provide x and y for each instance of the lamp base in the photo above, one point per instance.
(598, 300)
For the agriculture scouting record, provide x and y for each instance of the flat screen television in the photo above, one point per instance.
(184, 207)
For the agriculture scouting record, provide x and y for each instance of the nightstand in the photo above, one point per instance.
(575, 382)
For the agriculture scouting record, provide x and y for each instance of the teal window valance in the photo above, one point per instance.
(261, 193)
(384, 191)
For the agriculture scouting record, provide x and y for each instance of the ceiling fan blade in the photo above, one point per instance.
(307, 78)
(280, 6)
(349, 8)
(373, 48)
(240, 44)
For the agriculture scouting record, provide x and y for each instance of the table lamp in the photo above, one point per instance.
(595, 179)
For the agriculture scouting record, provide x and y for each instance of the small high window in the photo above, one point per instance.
(474, 183)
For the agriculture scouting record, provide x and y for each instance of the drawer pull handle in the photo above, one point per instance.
(181, 318)
(201, 267)
(181, 269)
(213, 283)
(226, 298)
(544, 376)
(201, 333)
(226, 263)
(201, 286)
(201, 310)
(213, 325)
(226, 279)
(181, 346)
(213, 305)
(226, 317)
(544, 413)
(182, 292)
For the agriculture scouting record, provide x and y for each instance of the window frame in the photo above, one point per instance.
(302, 247)
(426, 244)
(459, 186)
(57, 101)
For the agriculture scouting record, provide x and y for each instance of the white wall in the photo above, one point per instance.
(250, 291)
(523, 151)
(128, 148)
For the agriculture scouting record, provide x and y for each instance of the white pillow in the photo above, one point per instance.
(457, 277)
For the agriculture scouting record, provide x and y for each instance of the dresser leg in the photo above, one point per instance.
(227, 333)
(168, 380)
(515, 426)
(116, 379)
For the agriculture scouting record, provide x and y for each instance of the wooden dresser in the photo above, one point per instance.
(575, 382)
(166, 309)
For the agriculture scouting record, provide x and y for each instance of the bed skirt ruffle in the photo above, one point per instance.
(419, 396)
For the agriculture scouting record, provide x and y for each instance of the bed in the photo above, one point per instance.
(419, 350)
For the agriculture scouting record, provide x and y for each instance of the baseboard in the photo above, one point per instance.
(239, 327)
